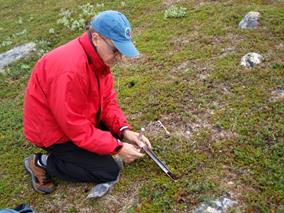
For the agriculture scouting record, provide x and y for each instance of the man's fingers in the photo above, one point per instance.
(139, 154)
(145, 140)
(130, 153)
(136, 152)
(149, 144)
(140, 144)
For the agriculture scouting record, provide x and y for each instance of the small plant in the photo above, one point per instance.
(10, 39)
(20, 20)
(77, 24)
(277, 66)
(51, 31)
(25, 67)
(65, 16)
(86, 12)
(175, 12)
(100, 5)
(42, 47)
(24, 32)
(6, 42)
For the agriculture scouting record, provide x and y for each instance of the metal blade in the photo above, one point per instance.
(152, 155)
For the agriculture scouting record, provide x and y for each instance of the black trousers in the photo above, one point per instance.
(69, 162)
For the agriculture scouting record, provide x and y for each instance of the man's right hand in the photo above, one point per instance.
(129, 153)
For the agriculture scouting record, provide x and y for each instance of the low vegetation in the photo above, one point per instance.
(227, 128)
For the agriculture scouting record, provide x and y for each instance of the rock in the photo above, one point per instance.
(250, 20)
(203, 77)
(280, 46)
(16, 54)
(230, 183)
(278, 94)
(227, 203)
(211, 210)
(251, 59)
(217, 206)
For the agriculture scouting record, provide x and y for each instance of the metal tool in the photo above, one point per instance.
(152, 155)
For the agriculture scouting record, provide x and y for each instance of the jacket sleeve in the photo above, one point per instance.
(112, 115)
(67, 99)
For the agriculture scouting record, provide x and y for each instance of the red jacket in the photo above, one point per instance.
(69, 93)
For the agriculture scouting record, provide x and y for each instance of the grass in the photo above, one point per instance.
(236, 140)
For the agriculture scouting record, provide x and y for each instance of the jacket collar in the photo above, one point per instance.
(93, 57)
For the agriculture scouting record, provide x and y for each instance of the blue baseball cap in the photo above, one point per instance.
(115, 26)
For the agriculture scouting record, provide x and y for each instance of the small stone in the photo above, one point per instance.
(250, 20)
(203, 77)
(251, 59)
(228, 49)
(278, 94)
(280, 46)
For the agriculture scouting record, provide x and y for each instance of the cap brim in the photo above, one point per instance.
(126, 48)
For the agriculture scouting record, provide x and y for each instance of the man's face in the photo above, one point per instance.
(106, 49)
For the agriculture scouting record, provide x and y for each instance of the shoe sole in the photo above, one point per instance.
(28, 169)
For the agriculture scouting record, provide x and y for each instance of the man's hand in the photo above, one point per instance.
(129, 153)
(132, 137)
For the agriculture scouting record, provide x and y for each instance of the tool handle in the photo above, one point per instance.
(141, 133)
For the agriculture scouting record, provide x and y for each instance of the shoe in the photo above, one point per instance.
(102, 189)
(118, 161)
(41, 182)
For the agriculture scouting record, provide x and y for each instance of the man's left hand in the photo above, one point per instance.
(133, 137)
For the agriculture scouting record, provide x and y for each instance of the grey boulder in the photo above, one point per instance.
(250, 21)
(16, 54)
(251, 59)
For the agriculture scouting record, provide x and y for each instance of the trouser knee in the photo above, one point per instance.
(109, 174)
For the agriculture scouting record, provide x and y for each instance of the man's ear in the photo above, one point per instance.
(95, 38)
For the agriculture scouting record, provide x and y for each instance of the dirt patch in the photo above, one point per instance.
(194, 69)
(230, 182)
(141, 60)
(172, 2)
(277, 95)
(219, 134)
(121, 201)
(178, 43)
(72, 197)
(184, 130)
(200, 3)
(230, 38)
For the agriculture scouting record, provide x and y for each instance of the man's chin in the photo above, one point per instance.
(110, 63)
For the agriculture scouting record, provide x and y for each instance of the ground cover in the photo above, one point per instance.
(227, 128)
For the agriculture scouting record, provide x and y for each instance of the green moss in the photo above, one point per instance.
(154, 88)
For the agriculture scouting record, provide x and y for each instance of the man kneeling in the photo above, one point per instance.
(70, 108)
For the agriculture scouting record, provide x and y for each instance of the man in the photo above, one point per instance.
(70, 108)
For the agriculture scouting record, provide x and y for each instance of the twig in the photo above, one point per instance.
(160, 123)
